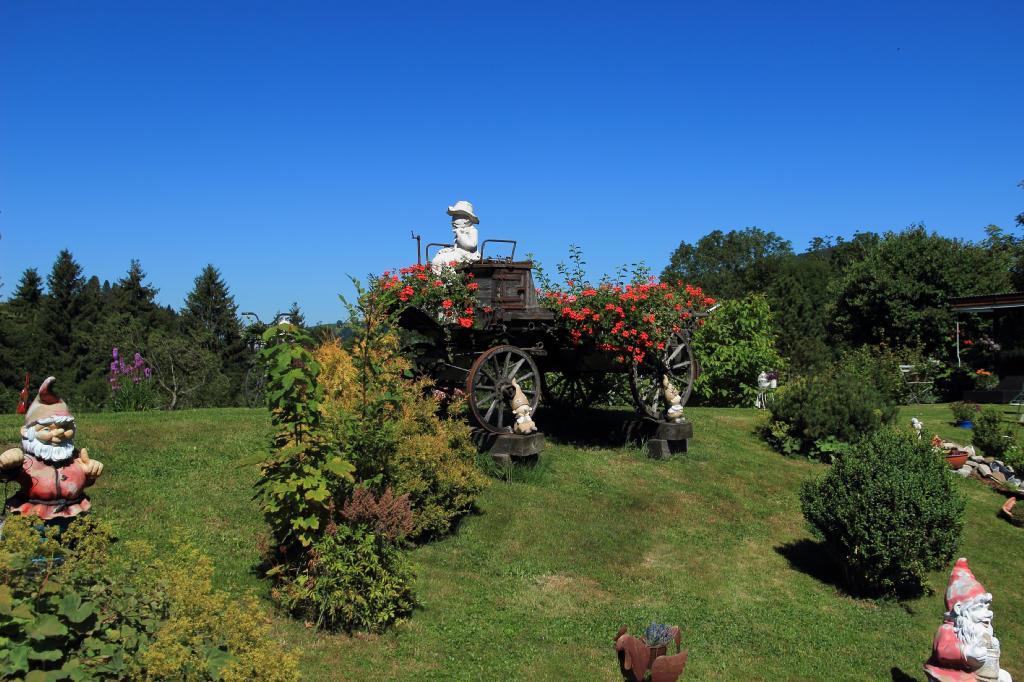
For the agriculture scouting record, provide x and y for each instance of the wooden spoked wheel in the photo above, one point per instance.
(645, 378)
(574, 390)
(490, 390)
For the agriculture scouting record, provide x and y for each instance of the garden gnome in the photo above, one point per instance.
(965, 649)
(674, 413)
(521, 409)
(51, 471)
(918, 425)
(466, 237)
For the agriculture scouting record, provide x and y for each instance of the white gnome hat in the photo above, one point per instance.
(46, 404)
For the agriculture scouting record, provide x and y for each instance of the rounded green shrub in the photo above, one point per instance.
(354, 579)
(993, 436)
(812, 414)
(888, 512)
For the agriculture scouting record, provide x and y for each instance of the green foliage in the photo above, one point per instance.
(353, 579)
(812, 414)
(302, 479)
(71, 610)
(993, 436)
(735, 344)
(727, 264)
(888, 513)
(964, 412)
(899, 293)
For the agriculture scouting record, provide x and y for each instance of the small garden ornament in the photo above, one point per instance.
(637, 656)
(918, 426)
(466, 238)
(521, 408)
(51, 471)
(965, 648)
(674, 413)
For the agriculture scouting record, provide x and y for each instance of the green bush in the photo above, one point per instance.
(736, 343)
(992, 435)
(964, 412)
(354, 579)
(888, 513)
(70, 609)
(814, 415)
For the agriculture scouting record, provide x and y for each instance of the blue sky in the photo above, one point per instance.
(291, 144)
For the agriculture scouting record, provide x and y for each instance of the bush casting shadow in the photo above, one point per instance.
(815, 559)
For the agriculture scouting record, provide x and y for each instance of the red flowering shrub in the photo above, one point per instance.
(448, 294)
(629, 320)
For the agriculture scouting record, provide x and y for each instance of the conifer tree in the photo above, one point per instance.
(62, 306)
(29, 293)
(131, 295)
(210, 317)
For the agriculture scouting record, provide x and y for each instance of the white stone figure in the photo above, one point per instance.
(918, 425)
(674, 413)
(763, 384)
(467, 238)
(521, 409)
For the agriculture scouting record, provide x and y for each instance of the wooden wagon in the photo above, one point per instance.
(520, 340)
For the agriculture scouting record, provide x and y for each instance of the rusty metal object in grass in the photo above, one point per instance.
(636, 658)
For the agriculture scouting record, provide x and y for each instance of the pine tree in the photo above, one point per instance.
(62, 307)
(29, 293)
(210, 317)
(132, 296)
(295, 315)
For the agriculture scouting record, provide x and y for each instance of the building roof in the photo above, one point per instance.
(987, 302)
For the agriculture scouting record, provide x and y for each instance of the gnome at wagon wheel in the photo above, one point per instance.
(51, 472)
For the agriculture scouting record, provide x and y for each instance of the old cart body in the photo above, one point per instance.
(518, 340)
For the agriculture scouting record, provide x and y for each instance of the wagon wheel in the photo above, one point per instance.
(489, 386)
(570, 390)
(675, 361)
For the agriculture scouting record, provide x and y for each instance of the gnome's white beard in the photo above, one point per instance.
(46, 452)
(969, 632)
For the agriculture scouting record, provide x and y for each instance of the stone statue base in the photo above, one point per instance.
(663, 439)
(506, 448)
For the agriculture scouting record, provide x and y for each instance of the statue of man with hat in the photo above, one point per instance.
(51, 471)
(965, 648)
(464, 223)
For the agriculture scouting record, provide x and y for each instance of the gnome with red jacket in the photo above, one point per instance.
(965, 648)
(51, 471)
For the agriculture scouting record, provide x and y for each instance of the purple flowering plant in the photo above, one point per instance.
(131, 383)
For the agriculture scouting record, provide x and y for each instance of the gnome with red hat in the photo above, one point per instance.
(51, 471)
(965, 648)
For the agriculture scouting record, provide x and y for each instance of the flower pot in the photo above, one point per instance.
(653, 653)
(965, 423)
(956, 459)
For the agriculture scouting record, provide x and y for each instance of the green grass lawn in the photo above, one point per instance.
(535, 585)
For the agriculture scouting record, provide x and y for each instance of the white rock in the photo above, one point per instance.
(965, 471)
(984, 470)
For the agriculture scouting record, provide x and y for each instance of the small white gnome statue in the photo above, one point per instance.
(521, 409)
(918, 425)
(674, 413)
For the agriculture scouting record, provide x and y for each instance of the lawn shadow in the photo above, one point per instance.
(812, 558)
(900, 676)
(588, 427)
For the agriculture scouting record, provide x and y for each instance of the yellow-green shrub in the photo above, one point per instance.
(73, 607)
(430, 458)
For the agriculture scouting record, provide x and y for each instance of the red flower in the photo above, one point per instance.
(466, 321)
(446, 303)
(438, 283)
(472, 286)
